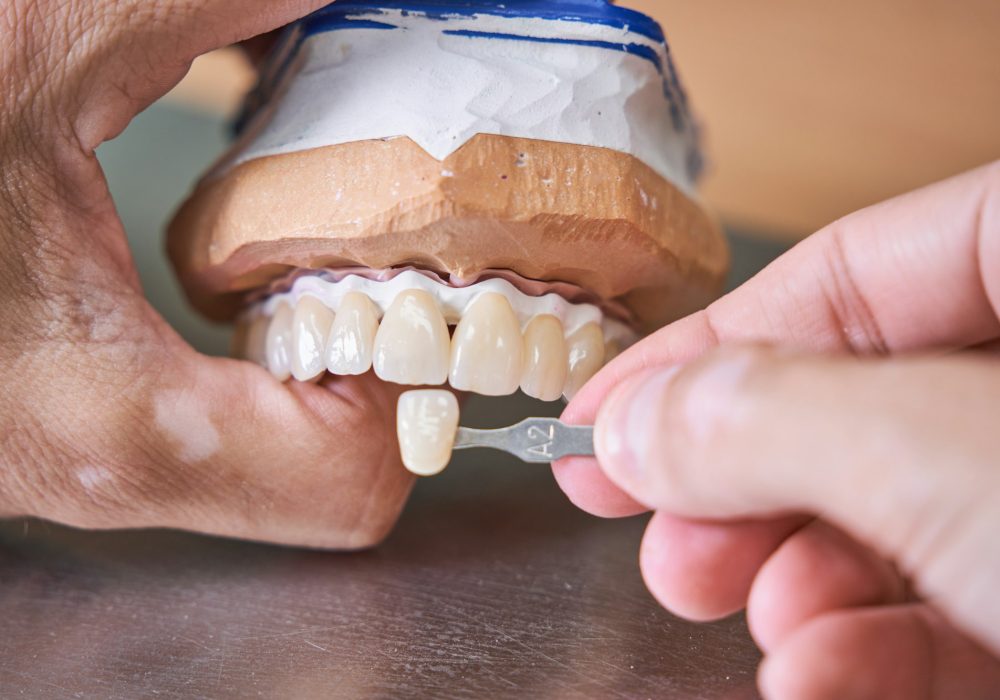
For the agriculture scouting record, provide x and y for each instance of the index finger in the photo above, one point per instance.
(912, 273)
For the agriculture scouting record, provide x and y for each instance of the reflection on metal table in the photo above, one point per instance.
(491, 586)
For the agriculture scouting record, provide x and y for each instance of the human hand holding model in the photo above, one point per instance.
(107, 418)
(840, 479)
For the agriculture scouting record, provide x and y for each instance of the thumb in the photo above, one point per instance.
(900, 453)
(171, 439)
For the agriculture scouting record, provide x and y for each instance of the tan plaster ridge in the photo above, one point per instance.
(550, 211)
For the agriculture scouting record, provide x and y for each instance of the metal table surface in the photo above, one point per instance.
(492, 585)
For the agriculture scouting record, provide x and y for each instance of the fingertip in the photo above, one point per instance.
(778, 680)
(581, 478)
(812, 665)
(787, 592)
(703, 571)
(688, 592)
(837, 656)
(586, 486)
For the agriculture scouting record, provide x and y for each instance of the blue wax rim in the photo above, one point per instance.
(586, 11)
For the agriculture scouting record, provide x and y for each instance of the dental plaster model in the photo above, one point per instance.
(492, 195)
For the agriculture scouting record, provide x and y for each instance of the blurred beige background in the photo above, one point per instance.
(811, 109)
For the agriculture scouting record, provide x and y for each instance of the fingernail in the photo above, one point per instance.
(628, 425)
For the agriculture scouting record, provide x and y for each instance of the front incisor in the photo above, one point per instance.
(545, 359)
(351, 347)
(426, 424)
(411, 346)
(487, 352)
(310, 328)
(279, 343)
(586, 357)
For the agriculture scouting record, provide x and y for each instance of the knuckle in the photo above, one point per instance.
(853, 314)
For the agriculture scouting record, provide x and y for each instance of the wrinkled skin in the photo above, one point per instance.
(839, 477)
(107, 418)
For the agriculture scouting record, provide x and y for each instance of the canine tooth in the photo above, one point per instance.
(426, 424)
(310, 328)
(586, 356)
(487, 352)
(352, 339)
(279, 342)
(256, 349)
(545, 359)
(411, 346)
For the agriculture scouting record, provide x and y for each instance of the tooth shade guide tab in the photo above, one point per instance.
(452, 301)
(426, 426)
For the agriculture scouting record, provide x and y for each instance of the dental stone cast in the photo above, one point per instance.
(426, 424)
(494, 350)
(442, 77)
(459, 146)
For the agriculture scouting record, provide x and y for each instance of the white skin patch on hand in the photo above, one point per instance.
(186, 421)
(92, 478)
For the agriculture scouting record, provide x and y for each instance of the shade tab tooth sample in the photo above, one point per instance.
(545, 359)
(426, 424)
(412, 344)
(279, 343)
(310, 329)
(487, 352)
(351, 346)
(586, 357)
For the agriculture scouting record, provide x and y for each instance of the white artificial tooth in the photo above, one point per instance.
(257, 340)
(586, 356)
(426, 424)
(487, 352)
(352, 340)
(279, 342)
(545, 359)
(411, 346)
(310, 329)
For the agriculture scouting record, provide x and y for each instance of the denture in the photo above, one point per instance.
(491, 196)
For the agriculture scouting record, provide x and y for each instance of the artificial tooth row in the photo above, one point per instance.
(488, 354)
